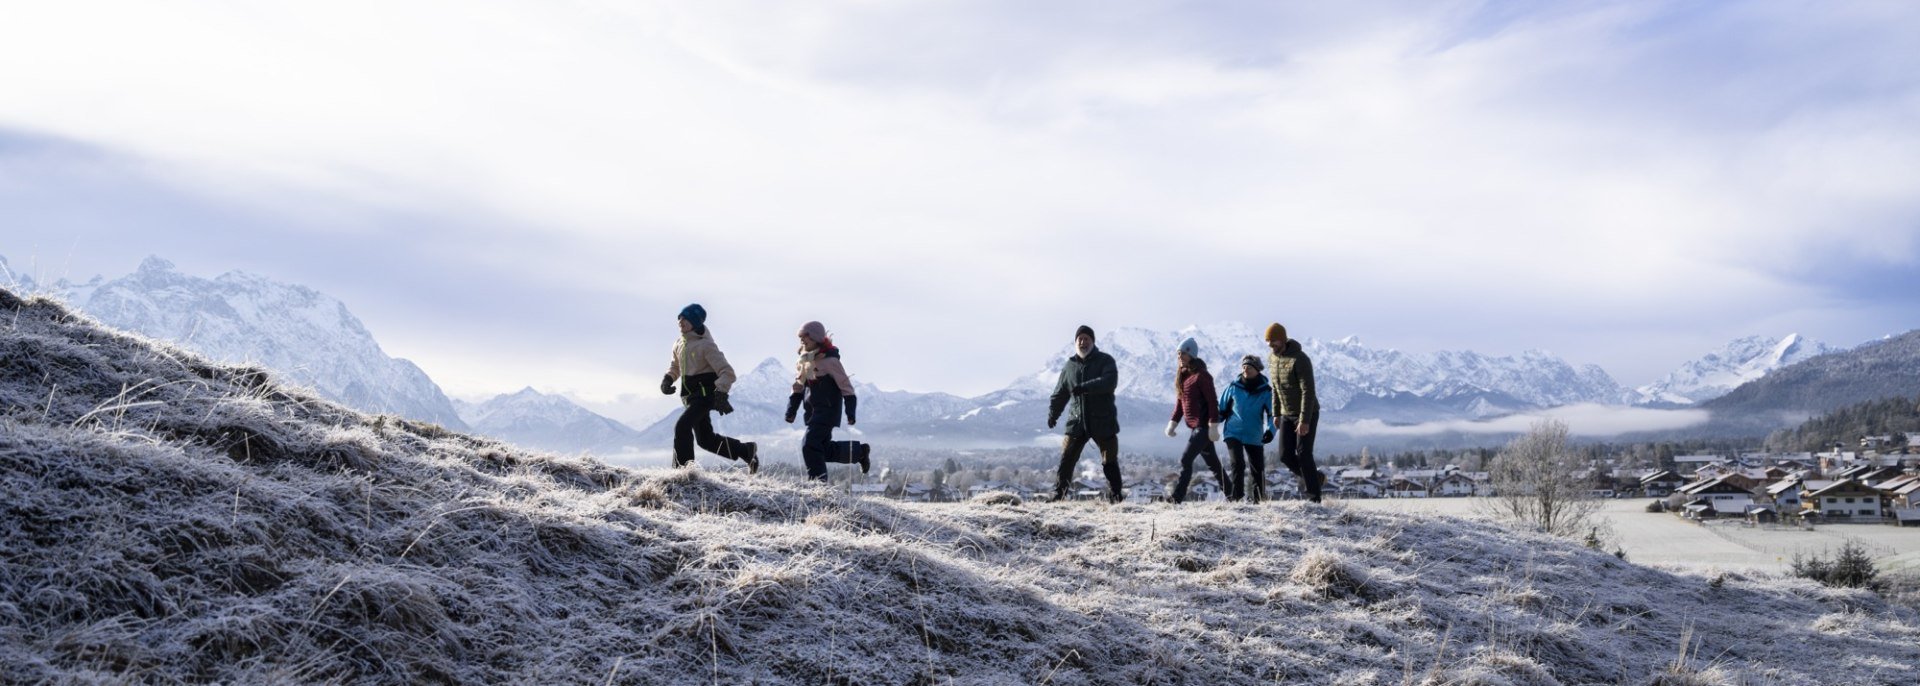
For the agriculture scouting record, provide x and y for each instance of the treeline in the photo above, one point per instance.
(1888, 416)
(1642, 454)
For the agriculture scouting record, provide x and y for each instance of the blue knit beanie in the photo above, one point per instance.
(1190, 347)
(695, 315)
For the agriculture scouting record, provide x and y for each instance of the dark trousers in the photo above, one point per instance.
(1198, 446)
(1109, 462)
(820, 448)
(695, 426)
(1240, 457)
(1296, 452)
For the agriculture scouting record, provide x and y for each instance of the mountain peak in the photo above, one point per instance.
(1741, 360)
(154, 264)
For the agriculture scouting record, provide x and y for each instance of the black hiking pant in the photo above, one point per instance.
(1109, 462)
(1296, 452)
(1240, 457)
(1198, 446)
(819, 448)
(695, 426)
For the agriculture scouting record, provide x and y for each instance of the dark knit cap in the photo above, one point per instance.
(1085, 330)
(695, 315)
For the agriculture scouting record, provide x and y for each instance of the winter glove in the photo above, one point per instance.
(1053, 420)
(666, 385)
(720, 403)
(1213, 431)
(1173, 428)
(853, 401)
(793, 406)
(1079, 391)
(1267, 437)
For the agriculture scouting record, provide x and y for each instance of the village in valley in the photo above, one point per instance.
(1877, 481)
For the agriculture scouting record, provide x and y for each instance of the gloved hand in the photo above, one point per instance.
(720, 403)
(1079, 390)
(1267, 437)
(666, 385)
(1053, 420)
(793, 406)
(1173, 428)
(853, 401)
(1213, 431)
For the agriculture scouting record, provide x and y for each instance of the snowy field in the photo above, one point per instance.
(1669, 540)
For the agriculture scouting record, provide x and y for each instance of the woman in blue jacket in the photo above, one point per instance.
(1247, 406)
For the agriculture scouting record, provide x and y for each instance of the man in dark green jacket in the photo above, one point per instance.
(1086, 384)
(1296, 408)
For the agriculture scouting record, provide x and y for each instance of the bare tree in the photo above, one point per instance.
(1541, 483)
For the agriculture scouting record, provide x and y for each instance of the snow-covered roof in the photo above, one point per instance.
(1843, 486)
(1787, 485)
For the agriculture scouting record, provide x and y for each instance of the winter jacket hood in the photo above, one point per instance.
(823, 381)
(1248, 409)
(1197, 402)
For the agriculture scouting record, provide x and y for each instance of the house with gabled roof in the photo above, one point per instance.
(1453, 485)
(1660, 483)
(1361, 483)
(1404, 486)
(1902, 498)
(1784, 494)
(1845, 498)
(1876, 475)
(1728, 493)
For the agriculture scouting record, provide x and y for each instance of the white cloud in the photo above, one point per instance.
(910, 174)
(1582, 420)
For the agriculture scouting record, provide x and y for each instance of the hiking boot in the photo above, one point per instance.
(863, 454)
(752, 458)
(1319, 484)
(1115, 498)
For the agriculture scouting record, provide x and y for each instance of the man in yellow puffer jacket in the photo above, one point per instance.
(706, 377)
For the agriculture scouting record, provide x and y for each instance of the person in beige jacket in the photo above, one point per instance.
(705, 379)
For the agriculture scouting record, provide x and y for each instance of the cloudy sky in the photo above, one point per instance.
(515, 193)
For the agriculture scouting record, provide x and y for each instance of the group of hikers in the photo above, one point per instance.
(1249, 414)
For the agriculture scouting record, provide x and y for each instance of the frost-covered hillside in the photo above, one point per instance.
(165, 519)
(308, 337)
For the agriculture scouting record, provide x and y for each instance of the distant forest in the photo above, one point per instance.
(1887, 416)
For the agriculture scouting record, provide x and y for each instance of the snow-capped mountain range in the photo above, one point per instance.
(1352, 375)
(548, 422)
(1723, 370)
(238, 318)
